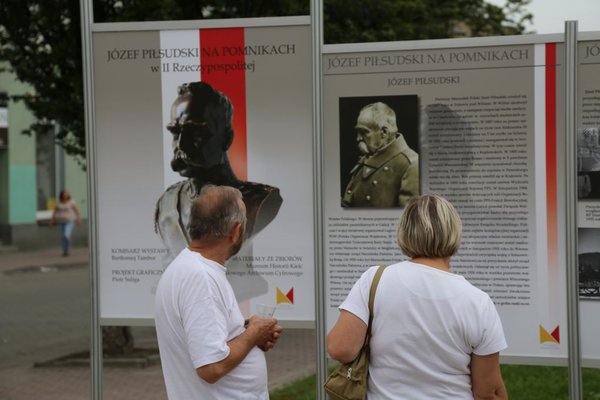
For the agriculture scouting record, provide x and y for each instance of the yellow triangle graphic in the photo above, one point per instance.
(281, 297)
(545, 336)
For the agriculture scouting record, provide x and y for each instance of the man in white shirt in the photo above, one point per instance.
(207, 350)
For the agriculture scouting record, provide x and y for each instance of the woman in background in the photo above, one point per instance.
(434, 335)
(65, 214)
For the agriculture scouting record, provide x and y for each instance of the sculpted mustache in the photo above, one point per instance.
(182, 160)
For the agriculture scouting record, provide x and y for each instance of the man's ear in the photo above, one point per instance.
(236, 231)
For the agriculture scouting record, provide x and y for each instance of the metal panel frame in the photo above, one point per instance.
(88, 27)
(573, 327)
(320, 314)
(87, 17)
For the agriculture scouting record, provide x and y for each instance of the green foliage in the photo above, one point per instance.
(161, 10)
(42, 40)
(387, 20)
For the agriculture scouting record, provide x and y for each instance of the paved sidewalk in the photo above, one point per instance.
(292, 359)
(43, 258)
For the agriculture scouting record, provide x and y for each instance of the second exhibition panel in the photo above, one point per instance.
(480, 123)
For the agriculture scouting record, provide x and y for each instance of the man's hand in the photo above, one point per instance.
(274, 337)
(265, 331)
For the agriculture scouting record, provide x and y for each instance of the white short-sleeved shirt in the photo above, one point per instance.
(426, 324)
(196, 315)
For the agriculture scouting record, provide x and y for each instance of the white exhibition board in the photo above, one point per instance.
(486, 117)
(588, 157)
(263, 66)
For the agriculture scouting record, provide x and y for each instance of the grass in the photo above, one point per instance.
(304, 389)
(540, 382)
(523, 382)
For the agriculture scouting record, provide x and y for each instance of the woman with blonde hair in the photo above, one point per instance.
(434, 335)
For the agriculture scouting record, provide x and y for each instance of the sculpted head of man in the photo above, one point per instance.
(375, 127)
(217, 213)
(201, 125)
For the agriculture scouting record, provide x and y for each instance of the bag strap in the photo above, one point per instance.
(374, 284)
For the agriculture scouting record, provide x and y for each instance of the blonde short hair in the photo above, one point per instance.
(429, 227)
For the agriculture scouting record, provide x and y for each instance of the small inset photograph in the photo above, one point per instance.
(589, 263)
(588, 185)
(379, 151)
(588, 149)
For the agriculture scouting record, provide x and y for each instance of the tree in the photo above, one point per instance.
(41, 40)
(387, 20)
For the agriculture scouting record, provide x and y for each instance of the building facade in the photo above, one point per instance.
(33, 170)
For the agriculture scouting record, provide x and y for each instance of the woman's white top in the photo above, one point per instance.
(427, 323)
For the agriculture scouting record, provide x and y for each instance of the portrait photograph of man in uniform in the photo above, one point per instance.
(379, 151)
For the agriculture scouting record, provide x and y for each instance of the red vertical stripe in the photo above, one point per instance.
(551, 177)
(222, 53)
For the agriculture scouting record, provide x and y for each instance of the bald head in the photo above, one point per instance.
(216, 211)
(378, 115)
(375, 127)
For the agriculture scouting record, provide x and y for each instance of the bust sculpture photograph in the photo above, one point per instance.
(202, 132)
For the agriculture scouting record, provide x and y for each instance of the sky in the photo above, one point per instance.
(549, 16)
